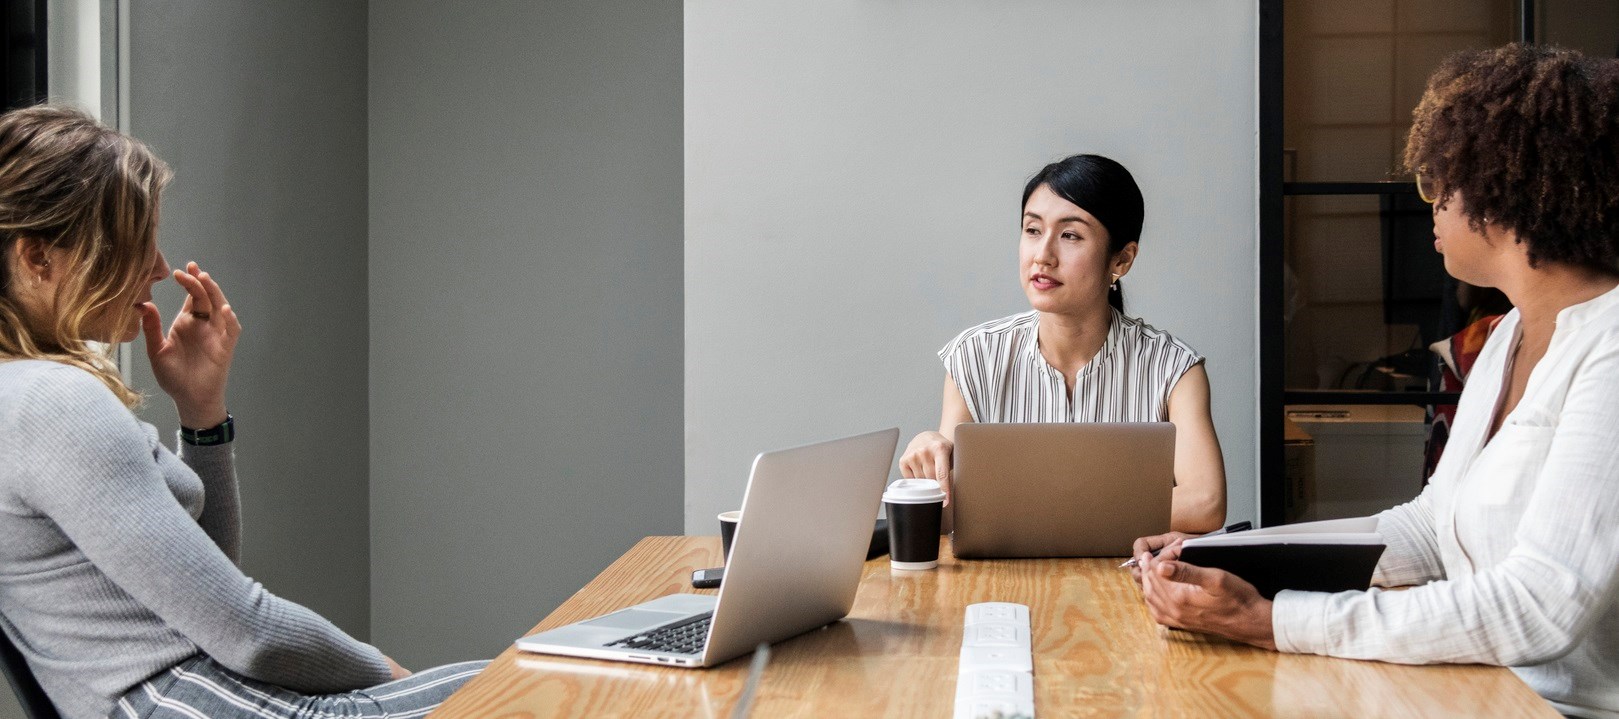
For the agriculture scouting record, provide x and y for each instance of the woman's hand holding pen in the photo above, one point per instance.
(1152, 545)
(1200, 599)
(1159, 543)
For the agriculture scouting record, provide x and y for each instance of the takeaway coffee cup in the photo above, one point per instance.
(914, 507)
(728, 522)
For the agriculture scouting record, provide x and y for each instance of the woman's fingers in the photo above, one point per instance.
(151, 327)
(928, 456)
(1172, 604)
(1202, 599)
(233, 326)
(1153, 543)
(1171, 552)
(930, 459)
(205, 299)
(1157, 604)
(216, 296)
(185, 306)
(196, 295)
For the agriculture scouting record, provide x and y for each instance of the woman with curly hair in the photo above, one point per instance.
(118, 557)
(1514, 544)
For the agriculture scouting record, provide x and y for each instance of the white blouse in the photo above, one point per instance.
(1004, 378)
(1514, 541)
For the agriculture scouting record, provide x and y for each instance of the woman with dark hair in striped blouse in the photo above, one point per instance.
(1076, 357)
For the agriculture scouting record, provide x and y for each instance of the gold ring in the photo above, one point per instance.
(201, 315)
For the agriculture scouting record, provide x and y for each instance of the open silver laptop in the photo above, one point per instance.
(1084, 489)
(795, 564)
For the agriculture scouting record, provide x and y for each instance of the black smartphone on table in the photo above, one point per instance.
(707, 578)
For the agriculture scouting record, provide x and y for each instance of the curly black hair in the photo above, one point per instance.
(1529, 135)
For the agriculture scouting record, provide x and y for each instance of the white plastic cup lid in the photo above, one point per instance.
(914, 491)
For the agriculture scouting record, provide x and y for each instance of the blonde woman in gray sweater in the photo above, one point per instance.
(118, 557)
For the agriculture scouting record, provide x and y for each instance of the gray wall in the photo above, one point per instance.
(525, 309)
(260, 109)
(853, 172)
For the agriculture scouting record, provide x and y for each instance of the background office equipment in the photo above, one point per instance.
(1362, 459)
(1085, 489)
(1299, 471)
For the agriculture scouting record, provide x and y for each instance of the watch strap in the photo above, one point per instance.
(219, 434)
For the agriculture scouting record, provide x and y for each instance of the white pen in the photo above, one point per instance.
(1238, 527)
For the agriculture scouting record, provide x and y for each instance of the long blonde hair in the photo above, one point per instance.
(91, 192)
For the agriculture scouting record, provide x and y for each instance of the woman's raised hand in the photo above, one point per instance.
(192, 363)
(929, 455)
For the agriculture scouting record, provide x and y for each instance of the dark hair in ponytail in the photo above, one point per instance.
(1103, 188)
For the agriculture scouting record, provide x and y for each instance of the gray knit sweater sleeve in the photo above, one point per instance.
(222, 501)
(96, 479)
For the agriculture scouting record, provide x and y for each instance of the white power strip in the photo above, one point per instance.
(996, 676)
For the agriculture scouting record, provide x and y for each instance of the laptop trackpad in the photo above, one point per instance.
(633, 619)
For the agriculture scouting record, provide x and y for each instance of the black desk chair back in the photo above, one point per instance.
(28, 691)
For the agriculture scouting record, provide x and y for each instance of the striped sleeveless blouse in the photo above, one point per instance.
(1000, 372)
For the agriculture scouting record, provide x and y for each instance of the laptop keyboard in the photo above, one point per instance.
(683, 637)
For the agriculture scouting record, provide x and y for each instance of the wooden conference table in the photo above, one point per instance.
(1096, 653)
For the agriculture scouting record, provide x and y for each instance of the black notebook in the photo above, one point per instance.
(1330, 556)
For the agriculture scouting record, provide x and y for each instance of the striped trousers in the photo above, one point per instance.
(199, 688)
